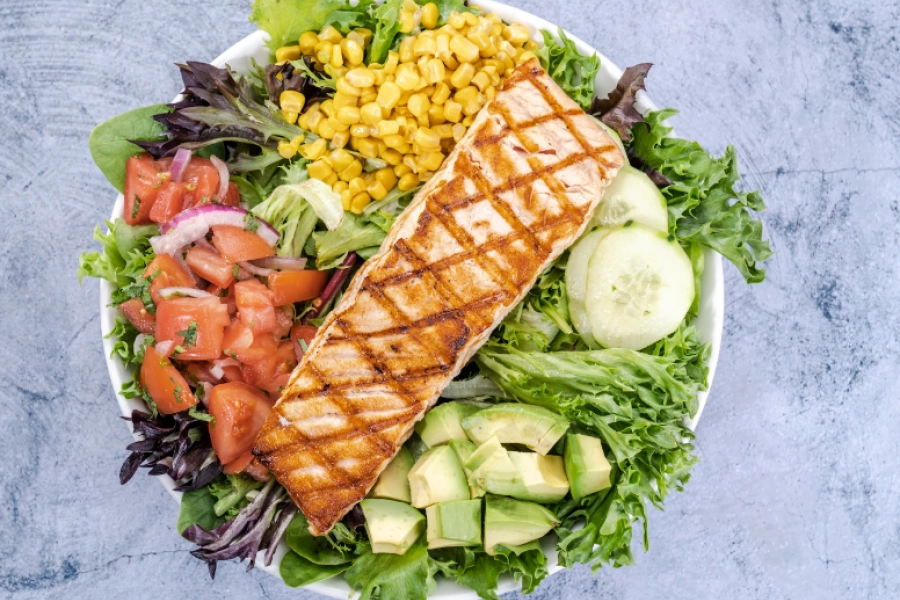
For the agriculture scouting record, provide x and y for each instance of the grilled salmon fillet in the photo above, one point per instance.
(516, 191)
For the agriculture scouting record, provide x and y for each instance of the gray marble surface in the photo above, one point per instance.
(796, 494)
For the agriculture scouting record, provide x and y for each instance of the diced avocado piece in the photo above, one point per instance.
(543, 477)
(393, 527)
(498, 475)
(586, 465)
(442, 423)
(514, 522)
(513, 423)
(393, 483)
(464, 449)
(483, 453)
(437, 477)
(454, 524)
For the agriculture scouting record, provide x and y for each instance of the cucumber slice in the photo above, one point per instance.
(632, 196)
(612, 133)
(640, 286)
(576, 281)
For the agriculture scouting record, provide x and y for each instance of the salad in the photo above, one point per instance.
(251, 201)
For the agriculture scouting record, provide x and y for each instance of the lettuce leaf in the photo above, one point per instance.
(297, 571)
(230, 493)
(527, 564)
(362, 234)
(286, 20)
(703, 203)
(392, 577)
(337, 548)
(576, 74)
(636, 402)
(387, 28)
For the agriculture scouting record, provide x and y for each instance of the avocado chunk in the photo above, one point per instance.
(454, 524)
(586, 465)
(464, 449)
(442, 423)
(542, 477)
(514, 522)
(393, 483)
(393, 527)
(496, 473)
(513, 423)
(437, 477)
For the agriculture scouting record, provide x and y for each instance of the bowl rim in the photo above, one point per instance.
(709, 322)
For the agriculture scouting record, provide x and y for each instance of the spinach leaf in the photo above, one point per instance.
(109, 142)
(297, 571)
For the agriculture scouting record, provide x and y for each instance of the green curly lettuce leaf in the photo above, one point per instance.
(409, 576)
(575, 73)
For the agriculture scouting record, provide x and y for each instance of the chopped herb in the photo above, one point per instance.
(178, 350)
(189, 335)
(136, 207)
(303, 345)
(177, 393)
(199, 414)
(251, 223)
(235, 270)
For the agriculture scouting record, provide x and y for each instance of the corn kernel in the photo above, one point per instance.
(324, 50)
(490, 93)
(337, 56)
(303, 121)
(407, 78)
(406, 50)
(336, 124)
(359, 202)
(319, 169)
(462, 76)
(289, 117)
(344, 87)
(348, 115)
(286, 150)
(365, 34)
(482, 80)
(330, 34)
(368, 147)
(340, 187)
(352, 172)
(391, 156)
(370, 113)
(287, 53)
(418, 104)
(393, 60)
(361, 77)
(346, 198)
(467, 122)
(407, 21)
(377, 190)
(357, 186)
(394, 141)
(430, 15)
(315, 119)
(331, 179)
(401, 169)
(328, 108)
(386, 128)
(315, 150)
(466, 96)
(456, 20)
(441, 93)
(308, 42)
(427, 139)
(431, 161)
(470, 19)
(424, 46)
(445, 131)
(326, 130)
(386, 177)
(360, 130)
(453, 111)
(459, 131)
(340, 139)
(340, 160)
(297, 140)
(464, 49)
(408, 182)
(436, 114)
(434, 71)
(342, 101)
(524, 57)
(480, 39)
(389, 95)
(353, 51)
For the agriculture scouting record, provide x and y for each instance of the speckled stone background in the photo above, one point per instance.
(796, 494)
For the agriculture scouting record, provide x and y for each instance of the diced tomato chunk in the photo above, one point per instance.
(305, 333)
(237, 244)
(240, 411)
(201, 180)
(195, 324)
(233, 196)
(165, 271)
(210, 265)
(257, 470)
(233, 373)
(238, 464)
(143, 181)
(295, 286)
(284, 320)
(169, 202)
(165, 384)
(254, 305)
(138, 315)
(200, 371)
(272, 372)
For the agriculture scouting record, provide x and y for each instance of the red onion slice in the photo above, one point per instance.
(165, 348)
(224, 177)
(251, 268)
(183, 291)
(179, 163)
(192, 224)
(207, 390)
(217, 371)
(282, 263)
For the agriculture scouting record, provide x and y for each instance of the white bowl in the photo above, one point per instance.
(709, 323)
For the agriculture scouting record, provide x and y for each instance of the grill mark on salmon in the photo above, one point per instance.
(514, 194)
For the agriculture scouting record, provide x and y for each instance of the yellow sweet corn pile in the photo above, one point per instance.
(408, 112)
